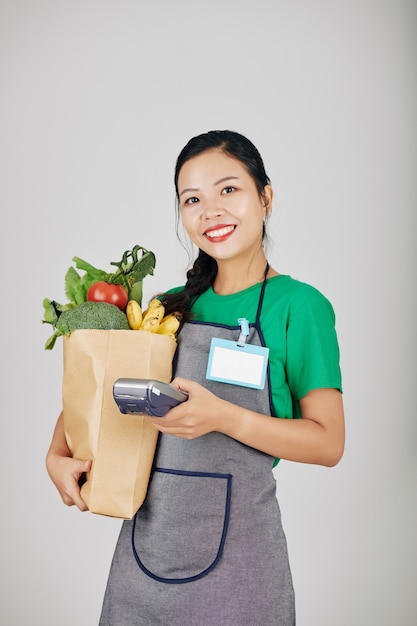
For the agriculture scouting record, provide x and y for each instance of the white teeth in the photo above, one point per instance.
(220, 232)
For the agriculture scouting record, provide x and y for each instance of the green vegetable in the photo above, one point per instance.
(131, 270)
(95, 315)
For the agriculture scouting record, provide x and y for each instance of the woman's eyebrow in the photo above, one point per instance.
(218, 182)
(222, 180)
(187, 190)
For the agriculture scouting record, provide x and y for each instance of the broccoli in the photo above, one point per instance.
(95, 315)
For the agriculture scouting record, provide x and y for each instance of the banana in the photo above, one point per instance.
(153, 304)
(134, 314)
(153, 316)
(169, 324)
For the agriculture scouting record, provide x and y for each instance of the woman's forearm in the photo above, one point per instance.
(59, 445)
(317, 438)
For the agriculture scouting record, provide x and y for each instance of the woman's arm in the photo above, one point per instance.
(318, 437)
(63, 470)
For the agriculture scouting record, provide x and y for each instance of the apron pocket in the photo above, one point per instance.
(179, 533)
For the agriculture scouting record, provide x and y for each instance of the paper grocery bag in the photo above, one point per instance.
(121, 446)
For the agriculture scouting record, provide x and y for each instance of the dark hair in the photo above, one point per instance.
(231, 143)
(202, 274)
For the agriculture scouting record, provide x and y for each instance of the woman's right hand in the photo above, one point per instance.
(65, 471)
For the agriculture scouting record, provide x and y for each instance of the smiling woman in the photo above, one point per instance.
(223, 214)
(207, 545)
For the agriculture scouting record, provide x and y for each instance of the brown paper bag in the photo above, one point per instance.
(121, 446)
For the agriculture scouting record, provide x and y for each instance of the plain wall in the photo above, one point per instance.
(98, 98)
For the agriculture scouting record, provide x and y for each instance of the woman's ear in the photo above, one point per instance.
(267, 196)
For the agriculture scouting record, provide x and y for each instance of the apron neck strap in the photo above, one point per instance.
(261, 296)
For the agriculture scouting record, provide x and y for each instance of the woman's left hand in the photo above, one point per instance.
(196, 416)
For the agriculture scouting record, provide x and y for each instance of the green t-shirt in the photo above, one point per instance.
(298, 325)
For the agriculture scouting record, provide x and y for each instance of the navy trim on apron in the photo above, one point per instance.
(228, 478)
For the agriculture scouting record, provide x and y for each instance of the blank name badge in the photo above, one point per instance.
(237, 363)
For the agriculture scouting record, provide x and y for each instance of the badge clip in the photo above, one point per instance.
(244, 331)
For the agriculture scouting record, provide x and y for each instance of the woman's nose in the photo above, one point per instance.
(211, 210)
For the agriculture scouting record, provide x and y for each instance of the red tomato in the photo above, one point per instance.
(106, 292)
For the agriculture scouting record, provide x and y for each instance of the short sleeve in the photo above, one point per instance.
(313, 358)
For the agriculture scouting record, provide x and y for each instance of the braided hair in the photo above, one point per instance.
(204, 270)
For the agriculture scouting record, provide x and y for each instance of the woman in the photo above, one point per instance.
(257, 347)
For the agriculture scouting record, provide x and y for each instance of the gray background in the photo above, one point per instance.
(98, 98)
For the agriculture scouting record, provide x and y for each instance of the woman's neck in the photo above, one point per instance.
(232, 277)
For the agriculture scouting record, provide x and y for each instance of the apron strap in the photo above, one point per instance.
(261, 297)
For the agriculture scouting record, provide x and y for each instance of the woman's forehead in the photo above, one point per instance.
(211, 166)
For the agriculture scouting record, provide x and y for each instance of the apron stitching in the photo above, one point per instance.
(166, 470)
(145, 570)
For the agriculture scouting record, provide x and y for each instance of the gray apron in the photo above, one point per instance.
(207, 547)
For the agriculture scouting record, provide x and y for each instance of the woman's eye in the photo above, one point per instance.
(227, 190)
(191, 200)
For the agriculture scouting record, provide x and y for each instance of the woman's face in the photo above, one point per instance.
(221, 209)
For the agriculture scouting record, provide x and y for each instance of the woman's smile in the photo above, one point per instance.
(219, 233)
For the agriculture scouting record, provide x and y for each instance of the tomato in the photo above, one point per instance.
(106, 292)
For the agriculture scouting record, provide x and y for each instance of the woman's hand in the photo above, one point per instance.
(196, 416)
(65, 471)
